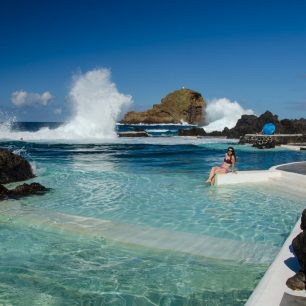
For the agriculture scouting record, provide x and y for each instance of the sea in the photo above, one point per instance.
(131, 221)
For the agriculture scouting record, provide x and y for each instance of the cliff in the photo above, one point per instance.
(181, 105)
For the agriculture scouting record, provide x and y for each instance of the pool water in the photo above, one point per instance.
(135, 224)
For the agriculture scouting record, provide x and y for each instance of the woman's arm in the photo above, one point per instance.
(233, 164)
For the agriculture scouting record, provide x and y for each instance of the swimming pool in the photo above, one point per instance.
(151, 233)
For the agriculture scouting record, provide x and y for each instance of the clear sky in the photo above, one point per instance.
(249, 51)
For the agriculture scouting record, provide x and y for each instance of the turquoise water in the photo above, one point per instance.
(52, 256)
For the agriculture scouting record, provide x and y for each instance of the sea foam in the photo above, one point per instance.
(96, 104)
(221, 113)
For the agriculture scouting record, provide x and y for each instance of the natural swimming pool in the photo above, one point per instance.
(154, 188)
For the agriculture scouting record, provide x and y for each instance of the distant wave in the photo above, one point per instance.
(221, 113)
(97, 105)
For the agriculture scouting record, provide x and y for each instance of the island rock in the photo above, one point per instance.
(183, 105)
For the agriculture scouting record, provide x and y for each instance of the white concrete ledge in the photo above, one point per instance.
(246, 177)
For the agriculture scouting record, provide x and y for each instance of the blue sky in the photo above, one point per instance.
(252, 52)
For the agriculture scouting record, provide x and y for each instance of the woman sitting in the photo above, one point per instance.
(229, 160)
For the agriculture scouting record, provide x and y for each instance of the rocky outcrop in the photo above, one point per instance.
(293, 126)
(251, 124)
(195, 131)
(22, 190)
(134, 134)
(13, 168)
(181, 105)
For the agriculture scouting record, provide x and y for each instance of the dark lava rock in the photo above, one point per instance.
(3, 192)
(13, 168)
(293, 126)
(22, 190)
(264, 143)
(195, 131)
(133, 134)
(251, 124)
(28, 189)
(298, 281)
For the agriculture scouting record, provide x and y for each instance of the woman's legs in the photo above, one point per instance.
(212, 174)
(215, 171)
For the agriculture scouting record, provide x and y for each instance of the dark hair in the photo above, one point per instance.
(233, 154)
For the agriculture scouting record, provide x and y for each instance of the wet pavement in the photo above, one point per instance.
(299, 167)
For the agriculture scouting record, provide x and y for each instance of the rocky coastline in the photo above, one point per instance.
(248, 131)
(186, 105)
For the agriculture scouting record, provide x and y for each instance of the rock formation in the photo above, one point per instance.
(133, 134)
(251, 124)
(298, 281)
(22, 190)
(194, 131)
(13, 168)
(181, 105)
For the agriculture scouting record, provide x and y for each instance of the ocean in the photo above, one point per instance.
(130, 221)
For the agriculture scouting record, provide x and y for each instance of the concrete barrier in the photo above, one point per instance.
(255, 176)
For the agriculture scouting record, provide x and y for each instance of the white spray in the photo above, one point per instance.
(96, 105)
(221, 113)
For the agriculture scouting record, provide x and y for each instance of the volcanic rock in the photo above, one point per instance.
(195, 131)
(298, 281)
(181, 105)
(133, 134)
(3, 192)
(22, 190)
(13, 168)
(251, 124)
(293, 126)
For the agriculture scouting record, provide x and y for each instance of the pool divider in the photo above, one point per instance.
(137, 235)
